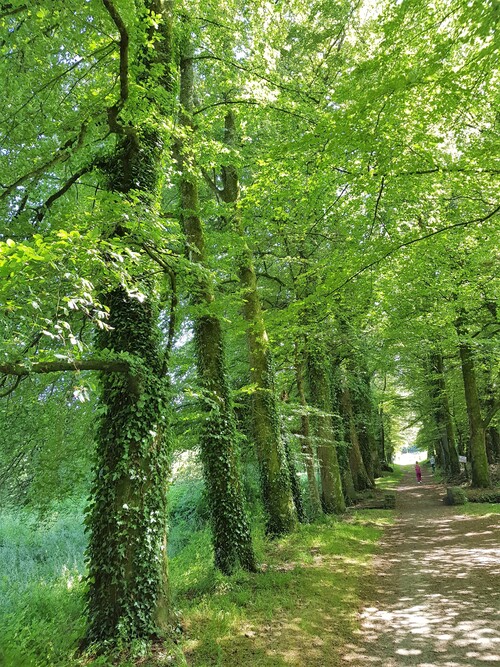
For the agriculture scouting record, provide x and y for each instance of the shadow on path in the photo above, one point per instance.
(436, 590)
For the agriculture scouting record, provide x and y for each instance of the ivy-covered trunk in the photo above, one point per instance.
(128, 584)
(332, 498)
(364, 410)
(277, 479)
(219, 452)
(339, 434)
(128, 594)
(479, 459)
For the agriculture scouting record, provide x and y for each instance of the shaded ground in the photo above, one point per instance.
(436, 594)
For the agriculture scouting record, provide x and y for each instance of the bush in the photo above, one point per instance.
(483, 495)
(455, 495)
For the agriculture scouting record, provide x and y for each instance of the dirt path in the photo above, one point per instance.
(437, 587)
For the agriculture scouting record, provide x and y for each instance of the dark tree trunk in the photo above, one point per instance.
(360, 477)
(443, 414)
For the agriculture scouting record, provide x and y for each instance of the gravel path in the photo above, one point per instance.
(436, 590)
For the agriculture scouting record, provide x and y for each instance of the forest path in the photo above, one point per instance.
(436, 590)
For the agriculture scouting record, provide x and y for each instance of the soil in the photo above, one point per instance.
(436, 588)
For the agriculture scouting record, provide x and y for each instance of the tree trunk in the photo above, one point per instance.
(445, 422)
(362, 406)
(305, 442)
(294, 478)
(493, 444)
(128, 583)
(231, 532)
(479, 460)
(128, 595)
(343, 446)
(360, 477)
(332, 498)
(277, 485)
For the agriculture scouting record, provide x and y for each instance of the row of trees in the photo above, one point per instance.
(307, 192)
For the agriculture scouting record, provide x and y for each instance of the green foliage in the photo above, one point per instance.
(368, 198)
(46, 457)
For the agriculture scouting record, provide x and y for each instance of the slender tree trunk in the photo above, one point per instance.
(479, 460)
(306, 445)
(231, 532)
(382, 453)
(294, 478)
(332, 498)
(493, 443)
(277, 485)
(362, 407)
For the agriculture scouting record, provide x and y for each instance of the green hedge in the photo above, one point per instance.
(483, 495)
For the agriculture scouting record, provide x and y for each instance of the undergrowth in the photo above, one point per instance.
(307, 593)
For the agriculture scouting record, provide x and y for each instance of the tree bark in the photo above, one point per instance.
(360, 476)
(443, 415)
(128, 593)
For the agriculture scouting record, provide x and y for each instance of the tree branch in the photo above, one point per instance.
(409, 243)
(254, 103)
(61, 155)
(495, 407)
(107, 366)
(7, 9)
(124, 41)
(42, 210)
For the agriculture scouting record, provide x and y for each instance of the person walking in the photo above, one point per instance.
(418, 472)
(432, 461)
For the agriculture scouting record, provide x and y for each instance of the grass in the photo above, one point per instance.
(390, 480)
(41, 606)
(299, 610)
(480, 509)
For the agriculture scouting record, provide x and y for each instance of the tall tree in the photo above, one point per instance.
(232, 539)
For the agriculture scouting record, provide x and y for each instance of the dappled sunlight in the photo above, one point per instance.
(298, 614)
(438, 602)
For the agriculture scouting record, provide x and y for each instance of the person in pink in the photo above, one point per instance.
(418, 472)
